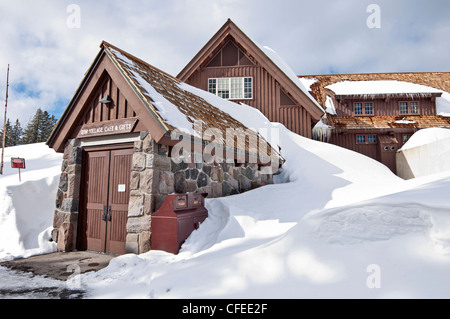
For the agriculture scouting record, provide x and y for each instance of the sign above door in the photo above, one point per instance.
(107, 128)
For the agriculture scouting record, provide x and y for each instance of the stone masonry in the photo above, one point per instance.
(154, 175)
(65, 218)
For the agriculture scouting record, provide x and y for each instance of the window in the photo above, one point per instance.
(366, 139)
(358, 108)
(231, 88)
(406, 137)
(360, 139)
(409, 107)
(403, 107)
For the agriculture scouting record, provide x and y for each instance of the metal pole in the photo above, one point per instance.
(4, 124)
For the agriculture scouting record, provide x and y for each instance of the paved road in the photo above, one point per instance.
(20, 285)
(51, 276)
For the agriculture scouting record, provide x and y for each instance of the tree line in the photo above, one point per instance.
(37, 130)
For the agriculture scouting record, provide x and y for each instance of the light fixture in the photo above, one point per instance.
(106, 100)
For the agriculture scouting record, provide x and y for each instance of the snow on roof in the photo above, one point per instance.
(181, 107)
(307, 82)
(380, 88)
(286, 69)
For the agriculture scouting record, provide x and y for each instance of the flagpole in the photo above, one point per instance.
(4, 123)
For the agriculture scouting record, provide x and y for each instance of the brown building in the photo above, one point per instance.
(373, 123)
(234, 67)
(121, 135)
(375, 114)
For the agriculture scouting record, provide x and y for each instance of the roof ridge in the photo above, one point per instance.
(135, 58)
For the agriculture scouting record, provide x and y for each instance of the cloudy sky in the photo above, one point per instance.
(51, 43)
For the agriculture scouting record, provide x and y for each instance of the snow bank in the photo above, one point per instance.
(338, 216)
(340, 225)
(443, 105)
(27, 207)
(426, 136)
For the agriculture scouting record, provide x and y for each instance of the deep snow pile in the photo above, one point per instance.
(27, 207)
(343, 227)
(337, 225)
(426, 136)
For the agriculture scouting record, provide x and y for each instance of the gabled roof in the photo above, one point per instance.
(165, 104)
(264, 55)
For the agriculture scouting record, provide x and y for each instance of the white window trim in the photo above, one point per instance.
(229, 86)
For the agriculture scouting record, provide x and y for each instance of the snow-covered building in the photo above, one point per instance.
(131, 135)
(236, 68)
(373, 114)
(376, 114)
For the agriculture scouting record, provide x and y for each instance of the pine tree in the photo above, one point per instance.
(31, 133)
(8, 129)
(47, 124)
(16, 133)
(39, 128)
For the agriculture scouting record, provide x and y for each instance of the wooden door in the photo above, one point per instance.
(119, 194)
(107, 179)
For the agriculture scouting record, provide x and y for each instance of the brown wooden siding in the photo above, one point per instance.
(373, 150)
(118, 109)
(266, 95)
(386, 107)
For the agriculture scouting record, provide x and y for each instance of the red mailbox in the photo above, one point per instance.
(178, 217)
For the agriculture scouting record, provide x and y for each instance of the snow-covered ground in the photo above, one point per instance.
(335, 225)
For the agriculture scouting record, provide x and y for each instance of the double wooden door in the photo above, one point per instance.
(106, 197)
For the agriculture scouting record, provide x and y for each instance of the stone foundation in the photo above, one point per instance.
(153, 176)
(65, 219)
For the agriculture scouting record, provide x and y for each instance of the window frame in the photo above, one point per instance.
(363, 109)
(367, 139)
(409, 108)
(239, 82)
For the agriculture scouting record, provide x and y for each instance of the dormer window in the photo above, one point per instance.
(239, 88)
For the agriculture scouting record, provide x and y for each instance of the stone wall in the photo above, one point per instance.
(67, 198)
(154, 175)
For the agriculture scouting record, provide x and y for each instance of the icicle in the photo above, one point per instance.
(322, 132)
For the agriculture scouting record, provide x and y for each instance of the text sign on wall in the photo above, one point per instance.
(18, 162)
(107, 128)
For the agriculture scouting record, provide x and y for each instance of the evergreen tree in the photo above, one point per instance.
(46, 126)
(16, 133)
(8, 128)
(31, 133)
(39, 128)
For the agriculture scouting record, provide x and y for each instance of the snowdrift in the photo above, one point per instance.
(336, 224)
(27, 207)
